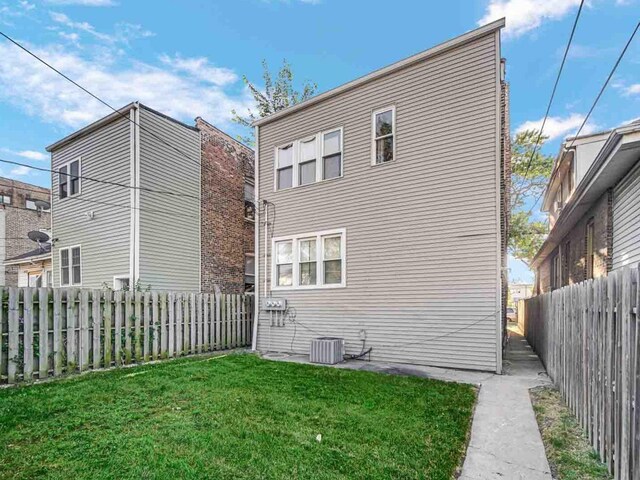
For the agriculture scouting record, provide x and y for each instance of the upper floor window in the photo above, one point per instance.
(384, 127)
(5, 199)
(249, 202)
(30, 204)
(69, 179)
(309, 160)
(285, 167)
(70, 266)
(313, 260)
(332, 154)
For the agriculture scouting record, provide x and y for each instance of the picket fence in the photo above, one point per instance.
(588, 337)
(47, 332)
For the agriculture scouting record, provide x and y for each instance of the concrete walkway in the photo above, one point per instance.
(505, 441)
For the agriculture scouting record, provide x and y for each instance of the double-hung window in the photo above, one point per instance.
(332, 259)
(69, 179)
(384, 129)
(309, 160)
(284, 263)
(70, 266)
(308, 261)
(312, 260)
(285, 167)
(5, 199)
(249, 202)
(331, 154)
(307, 163)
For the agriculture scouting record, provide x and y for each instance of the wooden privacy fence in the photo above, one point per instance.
(588, 337)
(49, 332)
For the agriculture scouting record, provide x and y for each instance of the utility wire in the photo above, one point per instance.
(123, 115)
(604, 86)
(595, 102)
(553, 92)
(99, 202)
(106, 182)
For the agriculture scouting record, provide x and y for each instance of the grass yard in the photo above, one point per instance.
(569, 453)
(234, 416)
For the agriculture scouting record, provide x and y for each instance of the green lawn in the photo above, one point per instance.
(234, 416)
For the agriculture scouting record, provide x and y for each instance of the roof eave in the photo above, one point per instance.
(442, 47)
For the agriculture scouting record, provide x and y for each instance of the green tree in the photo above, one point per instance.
(278, 93)
(528, 182)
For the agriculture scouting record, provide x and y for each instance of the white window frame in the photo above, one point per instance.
(342, 232)
(254, 266)
(319, 136)
(68, 165)
(373, 133)
(69, 249)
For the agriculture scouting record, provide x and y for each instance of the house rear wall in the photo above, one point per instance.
(423, 246)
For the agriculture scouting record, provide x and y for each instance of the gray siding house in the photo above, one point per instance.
(593, 203)
(109, 235)
(383, 218)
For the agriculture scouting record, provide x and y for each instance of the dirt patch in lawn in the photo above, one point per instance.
(568, 450)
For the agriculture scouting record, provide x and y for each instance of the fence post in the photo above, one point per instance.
(27, 334)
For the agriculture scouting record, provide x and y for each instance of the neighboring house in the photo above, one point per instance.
(34, 267)
(147, 223)
(23, 208)
(593, 203)
(385, 215)
(520, 291)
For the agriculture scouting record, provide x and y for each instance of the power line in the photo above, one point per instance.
(25, 49)
(99, 202)
(106, 182)
(604, 86)
(553, 92)
(595, 102)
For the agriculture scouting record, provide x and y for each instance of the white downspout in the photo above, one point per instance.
(256, 242)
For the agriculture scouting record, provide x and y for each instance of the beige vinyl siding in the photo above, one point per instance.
(626, 220)
(423, 236)
(169, 240)
(105, 239)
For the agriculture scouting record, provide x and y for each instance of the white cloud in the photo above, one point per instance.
(33, 155)
(40, 92)
(20, 171)
(30, 154)
(199, 68)
(86, 27)
(84, 3)
(558, 127)
(523, 16)
(633, 89)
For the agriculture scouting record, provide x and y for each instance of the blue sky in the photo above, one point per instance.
(187, 58)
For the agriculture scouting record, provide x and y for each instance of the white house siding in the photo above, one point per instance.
(626, 220)
(423, 233)
(169, 233)
(105, 238)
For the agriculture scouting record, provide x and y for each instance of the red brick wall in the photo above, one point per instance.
(226, 235)
(575, 262)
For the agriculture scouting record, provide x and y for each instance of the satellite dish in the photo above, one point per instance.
(42, 204)
(38, 236)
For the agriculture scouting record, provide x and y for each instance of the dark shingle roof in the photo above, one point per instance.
(41, 250)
